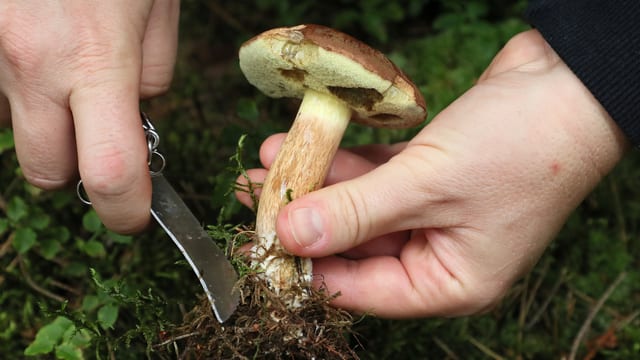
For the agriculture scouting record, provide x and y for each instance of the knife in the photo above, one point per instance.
(214, 271)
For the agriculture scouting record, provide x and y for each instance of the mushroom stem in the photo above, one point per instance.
(300, 167)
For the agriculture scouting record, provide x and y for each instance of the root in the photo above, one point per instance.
(264, 327)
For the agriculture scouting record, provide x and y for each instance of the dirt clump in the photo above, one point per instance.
(264, 327)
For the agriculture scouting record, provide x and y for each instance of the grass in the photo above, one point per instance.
(70, 288)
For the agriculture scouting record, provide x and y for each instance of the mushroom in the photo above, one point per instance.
(338, 78)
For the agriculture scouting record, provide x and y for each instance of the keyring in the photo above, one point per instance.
(155, 160)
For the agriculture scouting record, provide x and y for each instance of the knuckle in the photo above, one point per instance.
(47, 170)
(155, 80)
(20, 48)
(109, 173)
(355, 215)
(154, 88)
(94, 61)
(27, 46)
(43, 179)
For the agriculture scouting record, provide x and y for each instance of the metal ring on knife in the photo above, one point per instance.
(155, 166)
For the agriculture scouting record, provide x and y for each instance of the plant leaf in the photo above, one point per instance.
(107, 316)
(67, 351)
(119, 239)
(16, 209)
(48, 337)
(94, 248)
(24, 239)
(91, 222)
(49, 248)
(39, 221)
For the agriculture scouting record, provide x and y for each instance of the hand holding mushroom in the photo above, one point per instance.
(337, 78)
(444, 224)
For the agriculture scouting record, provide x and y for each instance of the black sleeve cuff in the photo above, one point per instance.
(600, 41)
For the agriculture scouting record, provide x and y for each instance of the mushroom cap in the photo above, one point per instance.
(285, 62)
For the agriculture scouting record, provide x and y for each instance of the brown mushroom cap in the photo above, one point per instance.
(285, 62)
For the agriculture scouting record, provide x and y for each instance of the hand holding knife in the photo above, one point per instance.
(214, 271)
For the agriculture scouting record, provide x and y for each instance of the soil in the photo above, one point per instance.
(263, 327)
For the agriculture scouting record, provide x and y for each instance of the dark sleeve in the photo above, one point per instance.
(600, 41)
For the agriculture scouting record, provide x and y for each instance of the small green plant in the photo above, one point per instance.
(60, 337)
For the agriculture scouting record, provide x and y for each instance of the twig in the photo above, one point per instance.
(176, 338)
(441, 344)
(618, 211)
(591, 301)
(628, 319)
(35, 286)
(66, 287)
(485, 349)
(529, 298)
(12, 264)
(3, 204)
(9, 268)
(112, 356)
(6, 246)
(176, 350)
(587, 323)
(547, 301)
(225, 16)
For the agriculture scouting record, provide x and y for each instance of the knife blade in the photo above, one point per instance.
(214, 271)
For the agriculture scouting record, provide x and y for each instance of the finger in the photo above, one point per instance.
(380, 286)
(159, 48)
(269, 149)
(387, 245)
(378, 153)
(43, 135)
(112, 149)
(393, 197)
(417, 283)
(347, 164)
(374, 153)
(374, 286)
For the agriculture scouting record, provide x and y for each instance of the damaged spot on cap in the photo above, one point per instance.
(357, 97)
(294, 74)
(383, 118)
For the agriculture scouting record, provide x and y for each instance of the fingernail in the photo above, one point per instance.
(306, 226)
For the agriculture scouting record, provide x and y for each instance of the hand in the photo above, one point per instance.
(446, 223)
(73, 72)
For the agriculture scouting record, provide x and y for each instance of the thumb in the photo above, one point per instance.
(344, 215)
